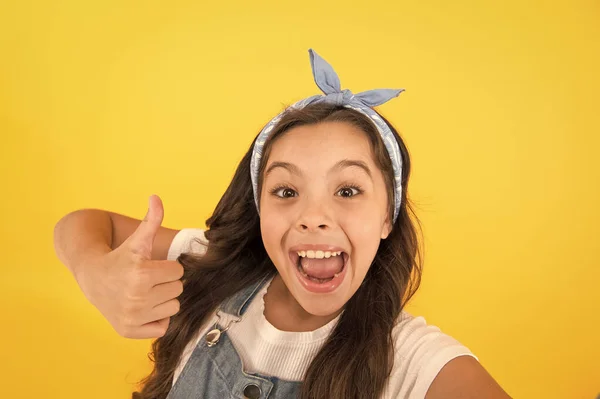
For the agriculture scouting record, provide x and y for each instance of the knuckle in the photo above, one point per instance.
(129, 309)
(126, 321)
(139, 278)
(142, 278)
(138, 251)
(137, 257)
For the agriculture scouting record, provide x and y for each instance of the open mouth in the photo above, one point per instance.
(320, 267)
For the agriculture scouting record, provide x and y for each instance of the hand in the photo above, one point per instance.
(135, 294)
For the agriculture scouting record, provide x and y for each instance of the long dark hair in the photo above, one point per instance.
(357, 358)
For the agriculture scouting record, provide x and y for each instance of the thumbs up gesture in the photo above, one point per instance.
(137, 295)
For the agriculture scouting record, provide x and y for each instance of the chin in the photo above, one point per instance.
(321, 307)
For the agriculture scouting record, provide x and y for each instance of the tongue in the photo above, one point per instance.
(322, 268)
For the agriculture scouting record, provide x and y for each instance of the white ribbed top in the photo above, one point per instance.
(262, 347)
(421, 350)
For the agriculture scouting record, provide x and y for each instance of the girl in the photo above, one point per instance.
(298, 286)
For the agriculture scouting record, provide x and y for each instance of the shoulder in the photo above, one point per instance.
(465, 378)
(428, 361)
(187, 240)
(420, 352)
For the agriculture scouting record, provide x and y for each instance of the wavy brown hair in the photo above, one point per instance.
(357, 358)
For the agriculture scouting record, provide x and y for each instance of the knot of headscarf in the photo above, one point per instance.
(329, 83)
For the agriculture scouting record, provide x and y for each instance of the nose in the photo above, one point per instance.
(314, 217)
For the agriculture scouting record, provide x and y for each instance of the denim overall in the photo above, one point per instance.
(216, 372)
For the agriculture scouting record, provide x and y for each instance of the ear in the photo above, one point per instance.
(386, 229)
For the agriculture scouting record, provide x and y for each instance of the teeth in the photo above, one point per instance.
(318, 254)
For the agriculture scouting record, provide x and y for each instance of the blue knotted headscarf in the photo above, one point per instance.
(329, 83)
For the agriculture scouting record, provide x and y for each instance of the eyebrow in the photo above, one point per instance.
(344, 163)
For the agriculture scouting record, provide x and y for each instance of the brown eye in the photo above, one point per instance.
(348, 192)
(284, 192)
(288, 192)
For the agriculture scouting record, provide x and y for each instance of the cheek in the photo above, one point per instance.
(272, 230)
(364, 233)
(266, 229)
(363, 222)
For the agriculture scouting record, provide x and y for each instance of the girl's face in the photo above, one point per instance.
(322, 193)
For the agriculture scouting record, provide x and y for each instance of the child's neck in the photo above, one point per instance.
(285, 313)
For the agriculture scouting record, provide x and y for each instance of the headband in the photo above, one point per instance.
(329, 83)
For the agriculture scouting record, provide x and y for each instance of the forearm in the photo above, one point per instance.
(80, 235)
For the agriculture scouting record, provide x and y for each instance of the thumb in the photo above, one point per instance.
(147, 229)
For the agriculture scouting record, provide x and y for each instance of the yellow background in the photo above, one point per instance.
(103, 103)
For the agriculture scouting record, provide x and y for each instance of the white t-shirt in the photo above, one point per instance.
(421, 350)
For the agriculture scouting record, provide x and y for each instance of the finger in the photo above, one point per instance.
(164, 292)
(164, 271)
(164, 323)
(165, 309)
(153, 329)
(143, 237)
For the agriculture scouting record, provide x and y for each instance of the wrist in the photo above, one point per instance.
(88, 262)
